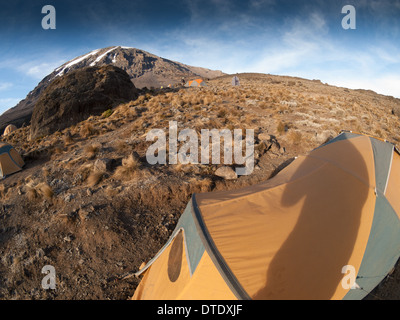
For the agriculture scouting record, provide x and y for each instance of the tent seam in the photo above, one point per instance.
(216, 256)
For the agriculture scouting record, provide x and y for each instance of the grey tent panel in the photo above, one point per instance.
(195, 247)
(383, 155)
(381, 252)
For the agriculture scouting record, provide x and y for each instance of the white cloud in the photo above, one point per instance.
(385, 84)
(39, 70)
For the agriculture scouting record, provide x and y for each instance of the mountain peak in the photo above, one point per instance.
(137, 63)
(144, 69)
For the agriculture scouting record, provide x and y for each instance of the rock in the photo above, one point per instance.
(76, 96)
(69, 238)
(264, 137)
(40, 253)
(226, 173)
(83, 214)
(68, 197)
(103, 164)
(275, 148)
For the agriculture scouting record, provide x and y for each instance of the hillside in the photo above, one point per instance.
(89, 204)
(145, 70)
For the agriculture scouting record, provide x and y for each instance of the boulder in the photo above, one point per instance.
(103, 165)
(79, 94)
(226, 173)
(264, 137)
(10, 128)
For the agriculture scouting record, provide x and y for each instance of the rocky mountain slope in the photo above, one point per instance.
(144, 69)
(76, 96)
(89, 204)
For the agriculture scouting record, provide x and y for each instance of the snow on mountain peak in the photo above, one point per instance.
(75, 61)
(101, 56)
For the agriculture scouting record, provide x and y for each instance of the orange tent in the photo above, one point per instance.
(326, 227)
(196, 83)
(10, 160)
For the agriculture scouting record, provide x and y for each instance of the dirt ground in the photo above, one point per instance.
(79, 205)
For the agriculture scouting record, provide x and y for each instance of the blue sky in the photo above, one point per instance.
(295, 38)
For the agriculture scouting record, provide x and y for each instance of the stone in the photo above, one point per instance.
(68, 238)
(103, 164)
(68, 197)
(40, 253)
(226, 173)
(264, 137)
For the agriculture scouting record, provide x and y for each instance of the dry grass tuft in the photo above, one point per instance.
(46, 172)
(95, 177)
(295, 137)
(45, 190)
(92, 149)
(3, 191)
(282, 127)
(121, 146)
(68, 139)
(38, 191)
(129, 168)
(88, 130)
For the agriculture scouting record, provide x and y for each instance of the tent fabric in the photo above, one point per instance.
(10, 160)
(196, 83)
(10, 128)
(291, 237)
(186, 277)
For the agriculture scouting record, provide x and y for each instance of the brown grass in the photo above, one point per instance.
(45, 190)
(92, 149)
(84, 171)
(281, 128)
(129, 168)
(95, 177)
(88, 130)
(45, 172)
(295, 137)
(121, 146)
(2, 191)
(38, 191)
(68, 139)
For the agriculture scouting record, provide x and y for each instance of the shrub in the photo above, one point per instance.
(107, 113)
(38, 191)
(88, 130)
(129, 168)
(95, 177)
(281, 128)
(92, 149)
